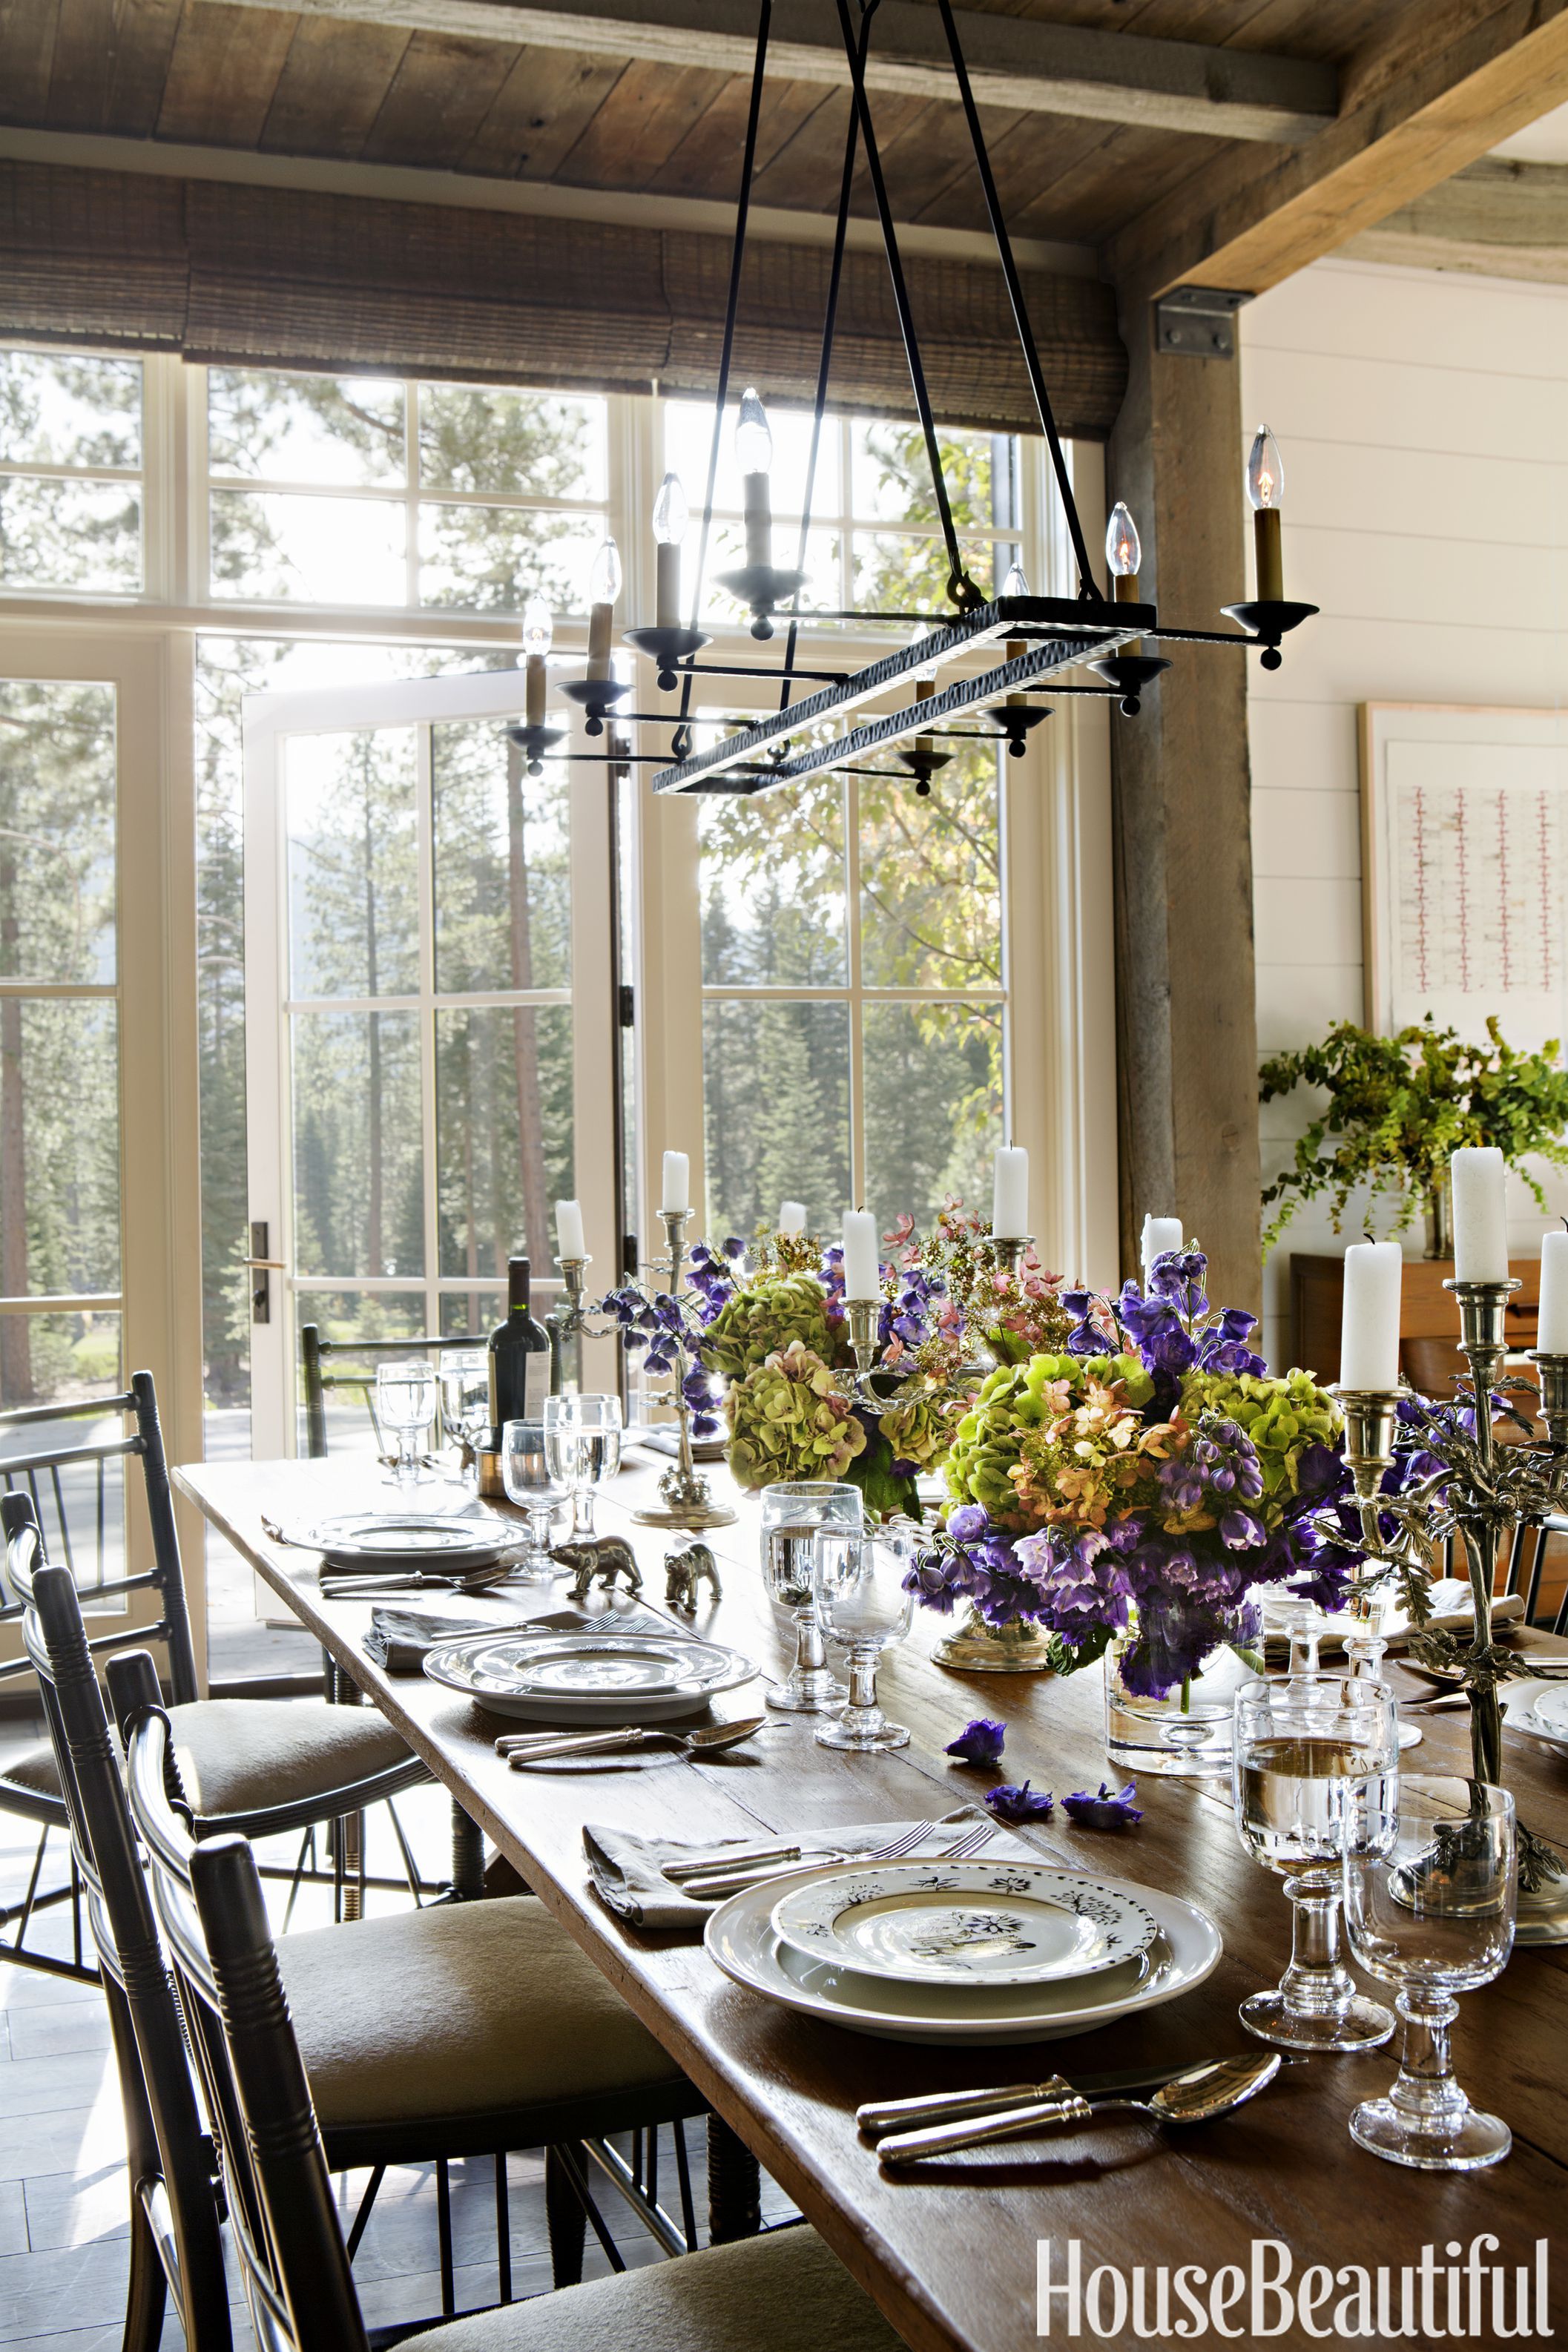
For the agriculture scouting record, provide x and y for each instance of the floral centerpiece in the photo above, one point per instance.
(1135, 1485)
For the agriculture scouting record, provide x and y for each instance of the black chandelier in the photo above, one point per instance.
(1037, 637)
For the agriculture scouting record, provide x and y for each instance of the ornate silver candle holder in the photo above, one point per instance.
(570, 1324)
(687, 1497)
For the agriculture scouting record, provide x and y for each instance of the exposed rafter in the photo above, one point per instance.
(1499, 219)
(1030, 67)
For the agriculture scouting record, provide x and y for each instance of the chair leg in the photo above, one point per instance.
(467, 1858)
(147, 2292)
(734, 2186)
(565, 2221)
(443, 2238)
(504, 2230)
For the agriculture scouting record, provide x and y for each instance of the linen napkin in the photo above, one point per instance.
(399, 1638)
(1453, 1612)
(628, 1876)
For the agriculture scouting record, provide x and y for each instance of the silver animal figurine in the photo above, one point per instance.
(684, 1571)
(599, 1558)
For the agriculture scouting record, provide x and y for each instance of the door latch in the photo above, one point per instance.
(263, 1269)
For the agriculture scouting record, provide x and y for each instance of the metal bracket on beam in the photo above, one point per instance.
(1197, 322)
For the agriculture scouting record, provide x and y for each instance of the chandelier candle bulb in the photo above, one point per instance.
(675, 1199)
(1369, 1327)
(537, 631)
(862, 1264)
(569, 1242)
(671, 517)
(1123, 554)
(604, 587)
(792, 1219)
(1481, 1214)
(1552, 1332)
(1159, 1235)
(1010, 1194)
(755, 456)
(1265, 485)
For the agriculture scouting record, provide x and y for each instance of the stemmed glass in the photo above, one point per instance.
(1314, 1762)
(406, 1404)
(793, 1511)
(863, 1603)
(534, 1487)
(583, 1441)
(466, 1399)
(1431, 1908)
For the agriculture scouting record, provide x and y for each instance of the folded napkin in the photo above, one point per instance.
(399, 1638)
(628, 1870)
(1453, 1612)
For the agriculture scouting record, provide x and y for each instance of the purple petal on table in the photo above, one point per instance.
(1020, 1803)
(1109, 1810)
(980, 1742)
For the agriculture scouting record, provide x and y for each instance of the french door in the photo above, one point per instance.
(430, 1009)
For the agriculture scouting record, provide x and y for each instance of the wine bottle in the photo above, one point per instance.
(519, 1357)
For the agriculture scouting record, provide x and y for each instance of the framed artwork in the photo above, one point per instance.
(1464, 842)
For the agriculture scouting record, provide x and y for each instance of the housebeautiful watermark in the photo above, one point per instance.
(1454, 2291)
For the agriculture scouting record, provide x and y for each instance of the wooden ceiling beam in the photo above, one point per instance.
(1499, 219)
(1442, 88)
(1013, 62)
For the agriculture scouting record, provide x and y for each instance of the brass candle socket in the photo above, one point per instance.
(1553, 1372)
(864, 1316)
(1010, 1249)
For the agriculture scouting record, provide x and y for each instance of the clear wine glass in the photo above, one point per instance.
(466, 1403)
(859, 1581)
(406, 1404)
(793, 1511)
(1314, 1762)
(534, 1487)
(583, 1438)
(1431, 1908)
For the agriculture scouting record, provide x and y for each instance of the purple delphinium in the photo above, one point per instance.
(1020, 1804)
(970, 1560)
(1112, 1809)
(980, 1742)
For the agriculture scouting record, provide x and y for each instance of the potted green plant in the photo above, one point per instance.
(1397, 1107)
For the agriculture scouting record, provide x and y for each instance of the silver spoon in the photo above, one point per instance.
(1193, 2097)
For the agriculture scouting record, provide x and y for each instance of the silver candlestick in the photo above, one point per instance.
(571, 1323)
(1010, 1249)
(687, 1497)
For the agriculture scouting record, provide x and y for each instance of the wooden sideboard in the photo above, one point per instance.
(1429, 1322)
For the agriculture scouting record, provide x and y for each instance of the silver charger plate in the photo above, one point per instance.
(588, 1677)
(740, 1940)
(378, 1540)
(966, 1923)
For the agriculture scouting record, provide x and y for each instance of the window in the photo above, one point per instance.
(70, 473)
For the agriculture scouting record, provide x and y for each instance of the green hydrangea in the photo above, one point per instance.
(787, 1420)
(920, 1432)
(772, 1312)
(1283, 1414)
(1012, 1400)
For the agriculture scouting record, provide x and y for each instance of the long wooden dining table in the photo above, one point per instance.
(955, 2253)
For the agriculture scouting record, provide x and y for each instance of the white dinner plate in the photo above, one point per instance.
(376, 1539)
(740, 1938)
(965, 1923)
(587, 1677)
(1549, 1707)
(1524, 1703)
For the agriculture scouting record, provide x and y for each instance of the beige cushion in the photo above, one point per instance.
(238, 1755)
(459, 2009)
(783, 2292)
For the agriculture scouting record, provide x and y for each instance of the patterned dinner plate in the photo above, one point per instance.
(967, 1923)
(377, 1539)
(588, 1677)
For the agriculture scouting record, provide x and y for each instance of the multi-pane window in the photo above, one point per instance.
(70, 473)
(366, 492)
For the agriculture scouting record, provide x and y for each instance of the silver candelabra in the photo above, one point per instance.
(687, 1497)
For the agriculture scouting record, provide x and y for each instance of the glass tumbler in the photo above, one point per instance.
(1314, 1762)
(582, 1439)
(534, 1487)
(466, 1402)
(792, 1512)
(1430, 1907)
(406, 1404)
(863, 1600)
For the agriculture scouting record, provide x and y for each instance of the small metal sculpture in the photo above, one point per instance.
(599, 1560)
(684, 1571)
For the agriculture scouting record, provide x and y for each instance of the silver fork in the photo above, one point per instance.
(739, 1881)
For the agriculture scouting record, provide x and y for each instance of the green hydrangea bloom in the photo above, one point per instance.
(1283, 1414)
(920, 1432)
(1013, 1399)
(772, 1312)
(787, 1420)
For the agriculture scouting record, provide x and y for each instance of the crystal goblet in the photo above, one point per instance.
(406, 1404)
(864, 1603)
(534, 1487)
(583, 1438)
(792, 1512)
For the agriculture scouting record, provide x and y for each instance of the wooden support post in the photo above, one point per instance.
(1187, 1021)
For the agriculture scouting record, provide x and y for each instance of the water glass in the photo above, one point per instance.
(859, 1579)
(1314, 1763)
(583, 1440)
(466, 1402)
(534, 1487)
(1430, 1908)
(406, 1404)
(792, 1512)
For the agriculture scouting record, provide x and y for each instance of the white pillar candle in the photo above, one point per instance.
(1159, 1235)
(1552, 1330)
(792, 1218)
(677, 1192)
(1481, 1214)
(1369, 1329)
(569, 1242)
(1010, 1196)
(862, 1268)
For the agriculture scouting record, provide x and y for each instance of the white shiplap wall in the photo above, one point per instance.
(1423, 418)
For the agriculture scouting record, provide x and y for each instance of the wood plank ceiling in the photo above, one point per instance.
(284, 83)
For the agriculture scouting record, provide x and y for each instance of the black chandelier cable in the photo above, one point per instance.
(1087, 587)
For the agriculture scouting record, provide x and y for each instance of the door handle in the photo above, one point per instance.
(261, 1268)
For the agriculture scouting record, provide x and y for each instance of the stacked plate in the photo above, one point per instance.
(375, 1540)
(973, 1952)
(1538, 1707)
(588, 1677)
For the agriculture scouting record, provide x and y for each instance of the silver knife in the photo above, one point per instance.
(951, 2106)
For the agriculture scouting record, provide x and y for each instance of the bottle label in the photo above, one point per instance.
(536, 1376)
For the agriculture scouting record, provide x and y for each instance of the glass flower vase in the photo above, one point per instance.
(1188, 1730)
(1020, 1648)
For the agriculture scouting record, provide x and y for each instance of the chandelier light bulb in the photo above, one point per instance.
(754, 436)
(1265, 472)
(671, 513)
(604, 579)
(538, 628)
(1016, 582)
(1123, 549)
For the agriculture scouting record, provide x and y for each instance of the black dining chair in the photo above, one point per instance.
(351, 1364)
(784, 2291)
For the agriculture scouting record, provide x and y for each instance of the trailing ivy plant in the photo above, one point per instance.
(1398, 1105)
